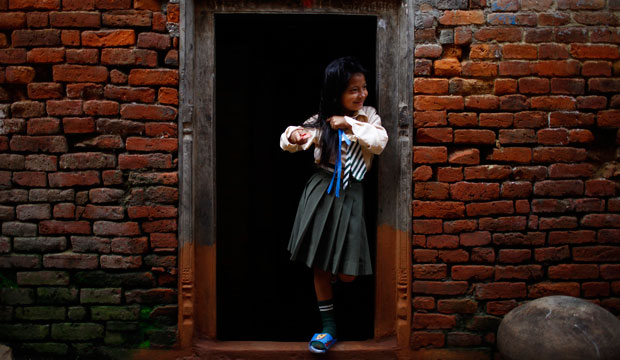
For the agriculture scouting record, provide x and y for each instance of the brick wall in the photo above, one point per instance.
(88, 181)
(516, 163)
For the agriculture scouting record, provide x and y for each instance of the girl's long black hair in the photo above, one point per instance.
(337, 76)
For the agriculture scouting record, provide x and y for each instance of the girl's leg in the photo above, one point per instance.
(346, 278)
(323, 285)
(324, 295)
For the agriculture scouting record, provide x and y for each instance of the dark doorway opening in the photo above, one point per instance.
(268, 75)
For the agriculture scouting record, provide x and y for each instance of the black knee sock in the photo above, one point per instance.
(326, 308)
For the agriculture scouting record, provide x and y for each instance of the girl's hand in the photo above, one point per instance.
(338, 122)
(299, 137)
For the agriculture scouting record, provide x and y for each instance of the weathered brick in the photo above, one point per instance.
(108, 38)
(507, 223)
(119, 56)
(78, 178)
(77, 331)
(158, 161)
(33, 38)
(64, 227)
(518, 272)
(106, 313)
(465, 157)
(150, 296)
(127, 18)
(474, 137)
(75, 19)
(427, 154)
(500, 290)
(433, 321)
(80, 73)
(511, 154)
(24, 332)
(69, 260)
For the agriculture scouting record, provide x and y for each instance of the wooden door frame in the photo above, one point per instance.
(196, 159)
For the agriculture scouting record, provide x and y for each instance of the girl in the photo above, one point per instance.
(329, 233)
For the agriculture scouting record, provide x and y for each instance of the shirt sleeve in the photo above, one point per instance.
(371, 134)
(286, 145)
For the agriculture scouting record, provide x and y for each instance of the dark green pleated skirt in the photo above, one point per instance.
(330, 232)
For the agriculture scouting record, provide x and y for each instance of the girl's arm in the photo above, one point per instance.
(300, 141)
(371, 134)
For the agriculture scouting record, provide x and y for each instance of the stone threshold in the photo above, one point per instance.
(263, 350)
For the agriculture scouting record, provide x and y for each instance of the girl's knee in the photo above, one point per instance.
(346, 278)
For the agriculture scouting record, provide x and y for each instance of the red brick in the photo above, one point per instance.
(466, 191)
(148, 112)
(591, 102)
(461, 17)
(555, 68)
(108, 228)
(596, 253)
(501, 307)
(608, 118)
(12, 20)
(438, 209)
(506, 223)
(82, 56)
(53, 144)
(479, 69)
(422, 173)
(433, 321)
(533, 85)
(499, 120)
(552, 205)
(553, 136)
(609, 236)
(427, 226)
(610, 271)
(103, 212)
(500, 290)
(475, 238)
(32, 38)
(163, 240)
(428, 102)
(43, 126)
(75, 19)
(87, 91)
(511, 154)
(113, 4)
(554, 18)
(155, 41)
(429, 155)
(567, 86)
(519, 51)
(552, 254)
(514, 68)
(514, 102)
(41, 162)
(429, 118)
(30, 179)
(459, 226)
(46, 55)
(108, 38)
(481, 102)
(460, 306)
(595, 289)
(514, 255)
(517, 136)
(519, 272)
(580, 136)
(70, 37)
(442, 241)
(596, 68)
(423, 67)
(604, 35)
(490, 208)
(559, 188)
(548, 289)
(64, 211)
(552, 51)
(64, 107)
(118, 77)
(78, 125)
(430, 190)
(499, 34)
(428, 51)
(101, 107)
(485, 51)
(465, 157)
(530, 119)
(80, 73)
(45, 91)
(19, 74)
(120, 262)
(573, 271)
(129, 94)
(422, 339)
(539, 35)
(78, 4)
(604, 85)
(472, 272)
(431, 86)
(12, 56)
(425, 255)
(589, 205)
(168, 96)
(597, 52)
(64, 227)
(434, 135)
(157, 161)
(429, 271)
(68, 179)
(474, 137)
(558, 154)
(463, 119)
(505, 86)
(571, 35)
(482, 255)
(553, 103)
(450, 174)
(600, 187)
(440, 287)
(570, 119)
(139, 57)
(127, 18)
(164, 77)
(601, 220)
(453, 256)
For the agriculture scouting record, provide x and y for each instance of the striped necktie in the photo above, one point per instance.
(355, 165)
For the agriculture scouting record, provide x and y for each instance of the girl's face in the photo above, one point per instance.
(353, 97)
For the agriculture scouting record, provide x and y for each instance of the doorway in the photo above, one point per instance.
(269, 70)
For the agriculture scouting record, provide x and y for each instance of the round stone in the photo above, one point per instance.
(559, 327)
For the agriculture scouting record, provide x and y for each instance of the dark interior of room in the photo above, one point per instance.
(268, 76)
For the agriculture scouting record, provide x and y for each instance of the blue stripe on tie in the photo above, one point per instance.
(338, 166)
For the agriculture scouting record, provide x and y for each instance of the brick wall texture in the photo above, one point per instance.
(516, 168)
(516, 172)
(88, 181)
